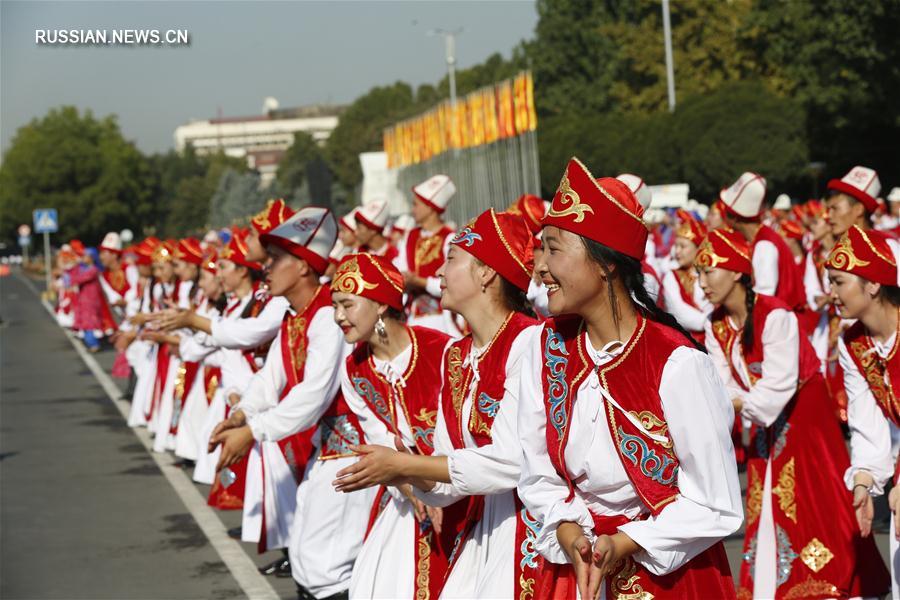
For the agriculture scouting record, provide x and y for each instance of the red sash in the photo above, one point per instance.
(488, 394)
(417, 400)
(790, 277)
(882, 374)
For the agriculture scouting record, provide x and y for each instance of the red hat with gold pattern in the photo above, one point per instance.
(372, 277)
(814, 208)
(867, 254)
(144, 251)
(274, 214)
(236, 251)
(189, 250)
(164, 251)
(791, 229)
(604, 210)
(531, 208)
(77, 247)
(501, 241)
(725, 249)
(209, 262)
(690, 228)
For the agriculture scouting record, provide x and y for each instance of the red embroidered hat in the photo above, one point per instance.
(189, 250)
(690, 228)
(814, 208)
(236, 251)
(144, 251)
(867, 254)
(791, 229)
(209, 261)
(308, 235)
(531, 208)
(372, 277)
(604, 210)
(861, 183)
(274, 214)
(501, 241)
(77, 247)
(725, 249)
(164, 251)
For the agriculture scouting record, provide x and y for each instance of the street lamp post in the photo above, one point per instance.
(450, 47)
(670, 70)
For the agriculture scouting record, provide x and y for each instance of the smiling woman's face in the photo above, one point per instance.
(355, 315)
(459, 280)
(572, 278)
(848, 294)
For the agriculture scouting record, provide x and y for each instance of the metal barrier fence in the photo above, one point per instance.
(492, 175)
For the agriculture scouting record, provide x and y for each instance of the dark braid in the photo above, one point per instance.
(747, 334)
(514, 298)
(629, 270)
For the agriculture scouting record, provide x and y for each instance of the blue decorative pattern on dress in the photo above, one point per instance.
(532, 531)
(786, 556)
(780, 430)
(366, 390)
(426, 434)
(749, 556)
(488, 405)
(337, 434)
(651, 464)
(466, 237)
(555, 354)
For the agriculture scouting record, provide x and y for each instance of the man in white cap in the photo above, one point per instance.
(775, 272)
(852, 200)
(649, 265)
(347, 230)
(371, 219)
(296, 391)
(424, 250)
(892, 222)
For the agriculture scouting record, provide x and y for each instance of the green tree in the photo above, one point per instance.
(293, 165)
(80, 165)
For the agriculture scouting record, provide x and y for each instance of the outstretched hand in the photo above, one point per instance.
(377, 465)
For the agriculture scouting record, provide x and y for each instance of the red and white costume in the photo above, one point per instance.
(296, 391)
(796, 455)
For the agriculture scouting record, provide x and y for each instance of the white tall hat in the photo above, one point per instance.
(861, 183)
(309, 234)
(373, 214)
(112, 242)
(638, 188)
(436, 192)
(746, 196)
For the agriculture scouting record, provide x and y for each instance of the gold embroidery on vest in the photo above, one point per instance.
(179, 381)
(653, 425)
(785, 490)
(816, 555)
(568, 196)
(527, 586)
(212, 387)
(428, 416)
(754, 496)
(423, 568)
(296, 329)
(428, 249)
(454, 372)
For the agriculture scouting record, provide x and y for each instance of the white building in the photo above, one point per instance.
(261, 139)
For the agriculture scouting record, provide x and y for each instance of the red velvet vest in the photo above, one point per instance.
(882, 374)
(632, 379)
(424, 256)
(726, 335)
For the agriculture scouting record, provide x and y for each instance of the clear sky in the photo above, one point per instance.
(240, 52)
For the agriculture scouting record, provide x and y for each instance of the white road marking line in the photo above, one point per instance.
(242, 568)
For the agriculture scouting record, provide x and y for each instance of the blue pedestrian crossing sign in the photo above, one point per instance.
(46, 220)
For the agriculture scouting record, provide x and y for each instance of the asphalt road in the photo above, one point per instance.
(85, 511)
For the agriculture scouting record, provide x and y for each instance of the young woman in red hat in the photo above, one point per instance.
(392, 382)
(864, 278)
(683, 297)
(477, 454)
(625, 425)
(802, 539)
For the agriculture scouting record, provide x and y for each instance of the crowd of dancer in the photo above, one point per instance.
(553, 401)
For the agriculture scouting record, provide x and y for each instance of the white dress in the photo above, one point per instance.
(327, 527)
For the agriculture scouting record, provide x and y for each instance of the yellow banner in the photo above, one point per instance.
(484, 116)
